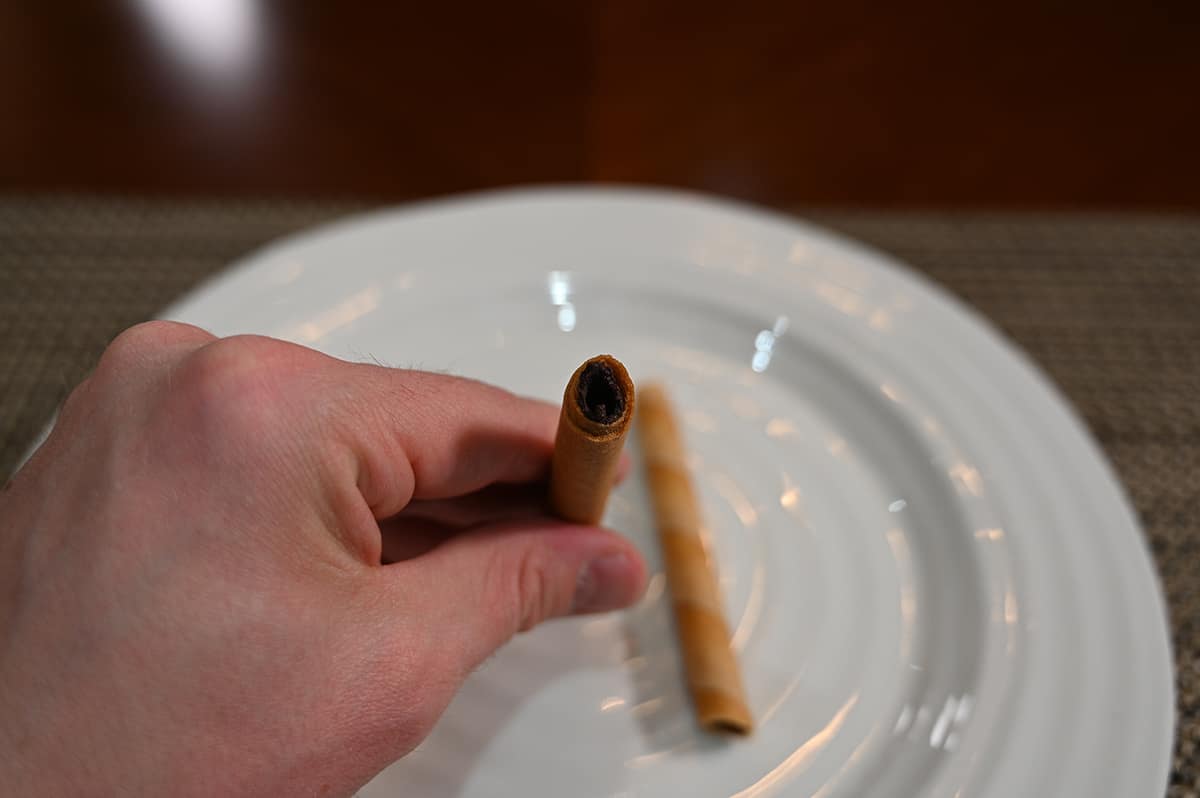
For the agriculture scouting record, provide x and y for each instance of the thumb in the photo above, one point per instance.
(482, 587)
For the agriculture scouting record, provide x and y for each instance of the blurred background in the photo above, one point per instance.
(1041, 160)
(922, 103)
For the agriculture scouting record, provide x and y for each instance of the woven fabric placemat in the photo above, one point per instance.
(1108, 305)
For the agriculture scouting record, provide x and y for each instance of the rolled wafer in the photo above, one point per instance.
(596, 413)
(714, 679)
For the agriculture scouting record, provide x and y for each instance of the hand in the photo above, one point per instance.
(192, 599)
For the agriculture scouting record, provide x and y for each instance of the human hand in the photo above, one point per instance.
(192, 599)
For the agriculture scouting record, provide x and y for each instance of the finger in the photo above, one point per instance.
(480, 588)
(146, 348)
(492, 504)
(406, 434)
(412, 537)
(135, 363)
(417, 435)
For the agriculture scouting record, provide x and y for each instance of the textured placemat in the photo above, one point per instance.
(1109, 305)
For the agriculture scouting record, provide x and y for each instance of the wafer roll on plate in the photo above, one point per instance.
(713, 676)
(596, 413)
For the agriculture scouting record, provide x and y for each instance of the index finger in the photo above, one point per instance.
(418, 435)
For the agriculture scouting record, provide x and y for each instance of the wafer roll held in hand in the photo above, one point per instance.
(714, 679)
(596, 413)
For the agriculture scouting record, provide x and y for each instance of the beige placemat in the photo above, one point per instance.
(1109, 305)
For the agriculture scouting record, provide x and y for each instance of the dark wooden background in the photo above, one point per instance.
(842, 102)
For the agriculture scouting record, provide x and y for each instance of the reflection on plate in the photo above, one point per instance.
(936, 586)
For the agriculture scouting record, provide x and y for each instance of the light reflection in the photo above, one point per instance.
(944, 730)
(897, 506)
(880, 320)
(993, 534)
(599, 627)
(901, 553)
(855, 756)
(754, 606)
(890, 392)
(801, 756)
(655, 587)
(558, 285)
(732, 494)
(348, 310)
(969, 477)
(954, 715)
(787, 692)
(1010, 608)
(937, 735)
(611, 703)
(216, 37)
(782, 428)
(908, 611)
(965, 705)
(745, 407)
(647, 707)
(645, 760)
(748, 515)
(789, 498)
(843, 299)
(764, 344)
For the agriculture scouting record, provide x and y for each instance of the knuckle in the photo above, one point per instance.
(537, 591)
(140, 341)
(76, 400)
(143, 354)
(233, 386)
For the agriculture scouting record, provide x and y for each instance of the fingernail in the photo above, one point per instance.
(601, 584)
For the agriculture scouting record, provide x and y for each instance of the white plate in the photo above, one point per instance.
(937, 587)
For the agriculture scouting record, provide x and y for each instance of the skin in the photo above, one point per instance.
(192, 599)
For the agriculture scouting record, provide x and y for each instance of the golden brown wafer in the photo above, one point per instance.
(712, 670)
(596, 413)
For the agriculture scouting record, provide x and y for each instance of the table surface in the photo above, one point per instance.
(1109, 305)
(940, 102)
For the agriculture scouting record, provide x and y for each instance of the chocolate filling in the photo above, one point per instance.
(600, 395)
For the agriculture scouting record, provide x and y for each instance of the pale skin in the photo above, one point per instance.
(193, 599)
